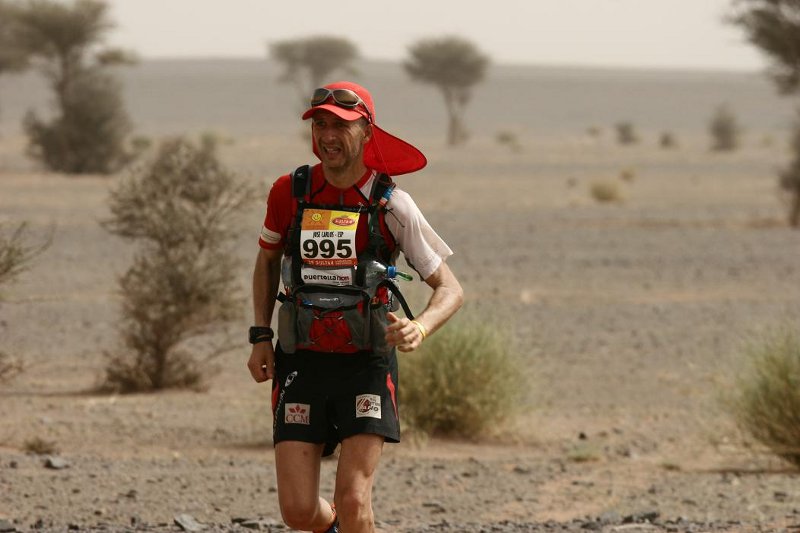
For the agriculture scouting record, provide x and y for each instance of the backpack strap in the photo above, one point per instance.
(301, 188)
(381, 193)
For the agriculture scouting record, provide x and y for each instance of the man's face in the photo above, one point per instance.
(340, 142)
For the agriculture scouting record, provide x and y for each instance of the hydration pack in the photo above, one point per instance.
(336, 299)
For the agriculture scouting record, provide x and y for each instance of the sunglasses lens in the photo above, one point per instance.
(346, 97)
(319, 96)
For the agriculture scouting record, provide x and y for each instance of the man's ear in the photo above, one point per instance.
(367, 132)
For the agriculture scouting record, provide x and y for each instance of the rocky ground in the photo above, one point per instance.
(629, 320)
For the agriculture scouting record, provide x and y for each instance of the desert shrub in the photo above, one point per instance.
(627, 174)
(667, 140)
(462, 381)
(724, 130)
(17, 251)
(89, 134)
(605, 191)
(626, 133)
(509, 139)
(766, 399)
(594, 131)
(182, 284)
(40, 446)
(9, 367)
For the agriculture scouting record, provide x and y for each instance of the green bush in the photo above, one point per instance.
(463, 380)
(766, 400)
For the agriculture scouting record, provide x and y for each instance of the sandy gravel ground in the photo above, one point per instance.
(629, 319)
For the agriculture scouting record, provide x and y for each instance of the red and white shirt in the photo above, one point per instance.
(423, 249)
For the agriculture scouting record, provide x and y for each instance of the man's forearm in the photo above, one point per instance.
(266, 277)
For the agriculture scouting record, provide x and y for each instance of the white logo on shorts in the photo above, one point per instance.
(368, 405)
(297, 413)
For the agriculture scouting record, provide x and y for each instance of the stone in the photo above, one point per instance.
(187, 523)
(56, 463)
(6, 526)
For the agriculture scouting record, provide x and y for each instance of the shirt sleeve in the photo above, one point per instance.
(422, 247)
(278, 217)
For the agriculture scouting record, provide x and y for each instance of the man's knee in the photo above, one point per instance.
(353, 504)
(299, 514)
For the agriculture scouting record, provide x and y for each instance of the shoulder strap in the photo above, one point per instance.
(379, 197)
(301, 182)
(301, 188)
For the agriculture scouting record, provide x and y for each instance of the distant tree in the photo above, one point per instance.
(309, 61)
(454, 65)
(89, 129)
(774, 27)
(12, 57)
(724, 130)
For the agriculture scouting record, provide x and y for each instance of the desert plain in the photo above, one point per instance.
(630, 317)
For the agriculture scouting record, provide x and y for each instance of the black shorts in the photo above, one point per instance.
(325, 398)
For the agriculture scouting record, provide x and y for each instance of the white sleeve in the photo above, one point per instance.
(423, 249)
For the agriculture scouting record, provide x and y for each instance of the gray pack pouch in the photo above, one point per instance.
(332, 319)
(287, 324)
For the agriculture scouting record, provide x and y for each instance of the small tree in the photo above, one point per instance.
(87, 134)
(309, 61)
(724, 130)
(12, 57)
(454, 65)
(773, 26)
(183, 280)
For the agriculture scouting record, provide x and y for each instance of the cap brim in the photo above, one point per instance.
(341, 112)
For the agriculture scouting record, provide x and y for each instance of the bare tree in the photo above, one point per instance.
(309, 61)
(774, 27)
(65, 42)
(454, 65)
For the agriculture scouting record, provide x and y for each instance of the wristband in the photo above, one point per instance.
(260, 334)
(423, 331)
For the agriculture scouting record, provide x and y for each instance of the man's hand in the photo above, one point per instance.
(403, 333)
(262, 361)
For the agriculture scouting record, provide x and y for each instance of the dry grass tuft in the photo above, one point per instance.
(766, 400)
(606, 191)
(463, 381)
(39, 446)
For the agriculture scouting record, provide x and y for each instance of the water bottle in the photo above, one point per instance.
(372, 272)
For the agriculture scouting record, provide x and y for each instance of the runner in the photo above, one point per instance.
(333, 232)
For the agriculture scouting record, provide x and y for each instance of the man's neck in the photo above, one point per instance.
(344, 178)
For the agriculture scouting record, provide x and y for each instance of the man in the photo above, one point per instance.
(329, 230)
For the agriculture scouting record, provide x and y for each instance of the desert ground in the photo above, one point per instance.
(630, 319)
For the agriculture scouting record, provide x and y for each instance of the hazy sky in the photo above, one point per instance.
(637, 33)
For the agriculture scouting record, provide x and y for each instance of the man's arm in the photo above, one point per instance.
(266, 277)
(447, 298)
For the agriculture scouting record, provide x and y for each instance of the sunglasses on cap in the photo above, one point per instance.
(341, 97)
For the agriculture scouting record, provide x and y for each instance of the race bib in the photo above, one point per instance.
(328, 238)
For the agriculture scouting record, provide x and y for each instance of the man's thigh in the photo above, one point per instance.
(358, 460)
(297, 465)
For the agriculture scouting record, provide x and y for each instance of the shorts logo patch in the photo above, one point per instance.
(297, 413)
(368, 405)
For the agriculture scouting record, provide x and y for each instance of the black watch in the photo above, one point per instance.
(260, 334)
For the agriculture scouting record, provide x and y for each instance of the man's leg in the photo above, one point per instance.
(358, 460)
(297, 466)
